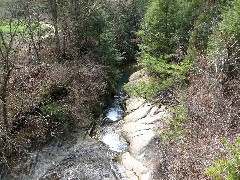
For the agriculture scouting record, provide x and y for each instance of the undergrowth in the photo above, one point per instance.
(175, 130)
(229, 167)
(54, 110)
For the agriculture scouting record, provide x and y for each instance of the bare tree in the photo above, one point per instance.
(6, 47)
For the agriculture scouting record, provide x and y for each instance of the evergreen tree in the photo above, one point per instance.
(159, 28)
(163, 37)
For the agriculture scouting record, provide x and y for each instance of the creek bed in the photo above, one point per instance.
(110, 132)
(76, 156)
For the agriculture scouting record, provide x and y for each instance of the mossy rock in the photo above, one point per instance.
(54, 110)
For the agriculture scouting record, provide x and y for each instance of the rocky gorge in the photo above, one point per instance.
(139, 127)
(125, 145)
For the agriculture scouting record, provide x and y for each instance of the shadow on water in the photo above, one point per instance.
(115, 111)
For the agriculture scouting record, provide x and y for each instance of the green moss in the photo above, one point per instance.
(143, 89)
(54, 110)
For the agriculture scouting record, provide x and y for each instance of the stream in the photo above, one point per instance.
(76, 156)
(110, 133)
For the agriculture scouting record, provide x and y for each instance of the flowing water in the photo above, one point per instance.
(74, 156)
(110, 133)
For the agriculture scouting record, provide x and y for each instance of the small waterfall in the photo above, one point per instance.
(74, 156)
(110, 132)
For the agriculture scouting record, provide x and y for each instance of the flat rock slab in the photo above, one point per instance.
(139, 126)
(134, 103)
(140, 141)
(134, 169)
(135, 127)
(140, 113)
(153, 111)
(87, 159)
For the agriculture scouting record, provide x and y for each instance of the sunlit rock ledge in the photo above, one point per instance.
(139, 127)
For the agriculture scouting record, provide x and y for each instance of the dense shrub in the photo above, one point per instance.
(228, 168)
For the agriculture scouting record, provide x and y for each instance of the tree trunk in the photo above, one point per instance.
(54, 7)
(4, 94)
(5, 50)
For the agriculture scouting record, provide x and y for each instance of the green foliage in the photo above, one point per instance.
(158, 30)
(161, 66)
(106, 48)
(143, 89)
(22, 28)
(224, 43)
(164, 33)
(230, 23)
(6, 1)
(200, 35)
(187, 17)
(208, 16)
(45, 92)
(117, 39)
(175, 131)
(166, 26)
(126, 22)
(3, 1)
(147, 88)
(229, 167)
(90, 31)
(54, 110)
(169, 72)
(6, 26)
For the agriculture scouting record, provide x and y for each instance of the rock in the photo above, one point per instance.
(163, 109)
(134, 103)
(139, 135)
(139, 113)
(157, 121)
(87, 161)
(150, 119)
(140, 141)
(137, 75)
(134, 127)
(139, 126)
(153, 111)
(134, 169)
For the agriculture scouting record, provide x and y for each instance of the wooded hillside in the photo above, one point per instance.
(59, 64)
